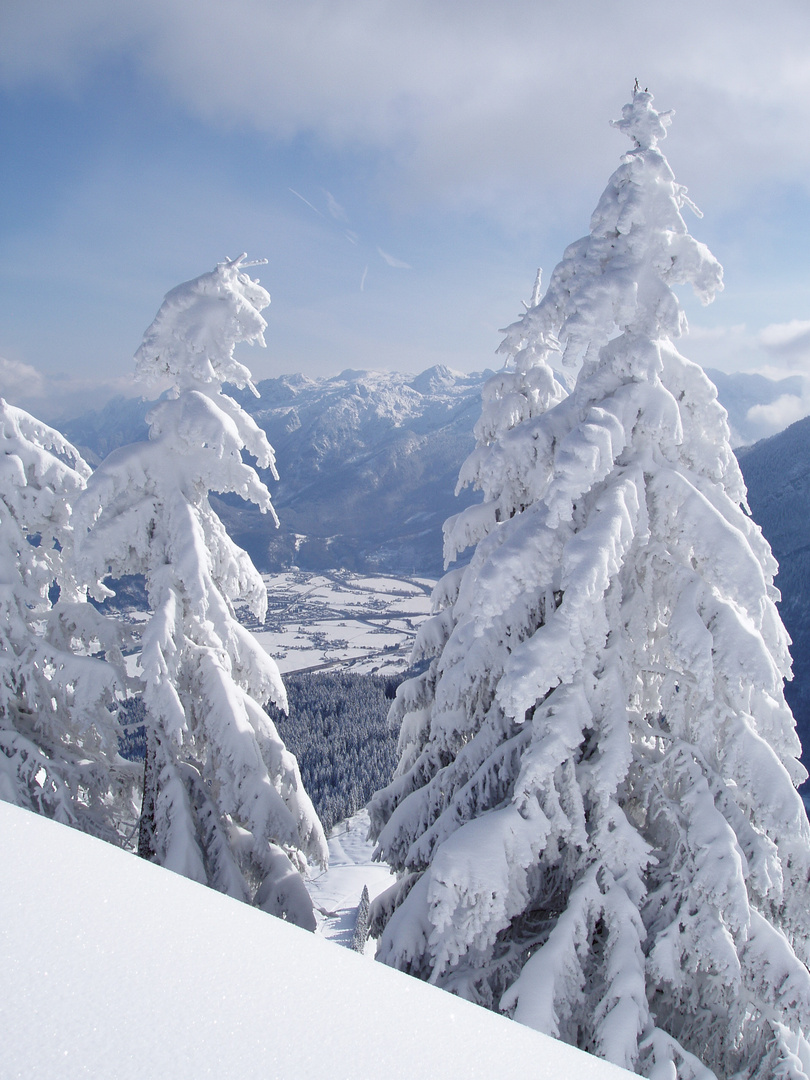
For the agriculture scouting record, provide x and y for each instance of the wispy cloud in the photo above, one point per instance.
(298, 195)
(398, 264)
(335, 209)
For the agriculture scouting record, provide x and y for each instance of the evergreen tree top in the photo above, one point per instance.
(192, 338)
(642, 123)
(619, 278)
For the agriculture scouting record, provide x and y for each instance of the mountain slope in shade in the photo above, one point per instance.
(113, 967)
(368, 463)
(777, 474)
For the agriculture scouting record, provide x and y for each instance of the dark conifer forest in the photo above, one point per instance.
(337, 728)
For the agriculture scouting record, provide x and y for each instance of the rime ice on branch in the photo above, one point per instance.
(58, 738)
(223, 800)
(594, 819)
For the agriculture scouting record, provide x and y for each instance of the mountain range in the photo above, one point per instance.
(368, 462)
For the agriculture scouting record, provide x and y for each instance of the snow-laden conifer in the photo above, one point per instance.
(223, 799)
(501, 465)
(58, 736)
(595, 819)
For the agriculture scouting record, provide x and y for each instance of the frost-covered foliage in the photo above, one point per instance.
(502, 463)
(594, 818)
(223, 799)
(337, 729)
(360, 936)
(58, 736)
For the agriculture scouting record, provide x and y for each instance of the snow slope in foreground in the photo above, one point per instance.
(111, 968)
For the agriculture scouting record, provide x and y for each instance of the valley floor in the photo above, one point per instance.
(341, 620)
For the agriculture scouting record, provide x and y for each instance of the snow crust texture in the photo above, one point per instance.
(594, 819)
(223, 801)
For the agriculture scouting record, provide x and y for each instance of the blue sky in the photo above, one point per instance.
(404, 167)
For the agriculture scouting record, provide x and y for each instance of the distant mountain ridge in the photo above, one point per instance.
(368, 461)
(777, 475)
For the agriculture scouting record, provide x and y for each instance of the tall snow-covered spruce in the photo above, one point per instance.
(223, 799)
(595, 819)
(58, 731)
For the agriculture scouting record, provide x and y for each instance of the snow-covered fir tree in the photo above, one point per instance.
(223, 798)
(58, 732)
(500, 465)
(595, 820)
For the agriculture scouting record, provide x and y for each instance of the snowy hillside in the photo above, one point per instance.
(113, 967)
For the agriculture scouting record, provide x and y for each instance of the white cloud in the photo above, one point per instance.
(54, 397)
(777, 351)
(60, 396)
(465, 98)
(476, 102)
(774, 417)
(793, 336)
(18, 380)
(398, 264)
(728, 348)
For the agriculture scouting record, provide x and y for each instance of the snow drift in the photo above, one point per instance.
(115, 967)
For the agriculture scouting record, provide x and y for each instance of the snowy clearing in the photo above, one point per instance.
(116, 968)
(333, 620)
(335, 893)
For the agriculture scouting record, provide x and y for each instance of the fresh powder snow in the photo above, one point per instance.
(113, 967)
(58, 731)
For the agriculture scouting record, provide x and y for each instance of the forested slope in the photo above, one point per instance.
(337, 728)
(777, 474)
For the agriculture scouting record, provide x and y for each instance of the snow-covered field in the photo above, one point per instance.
(336, 892)
(335, 620)
(115, 969)
(341, 619)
